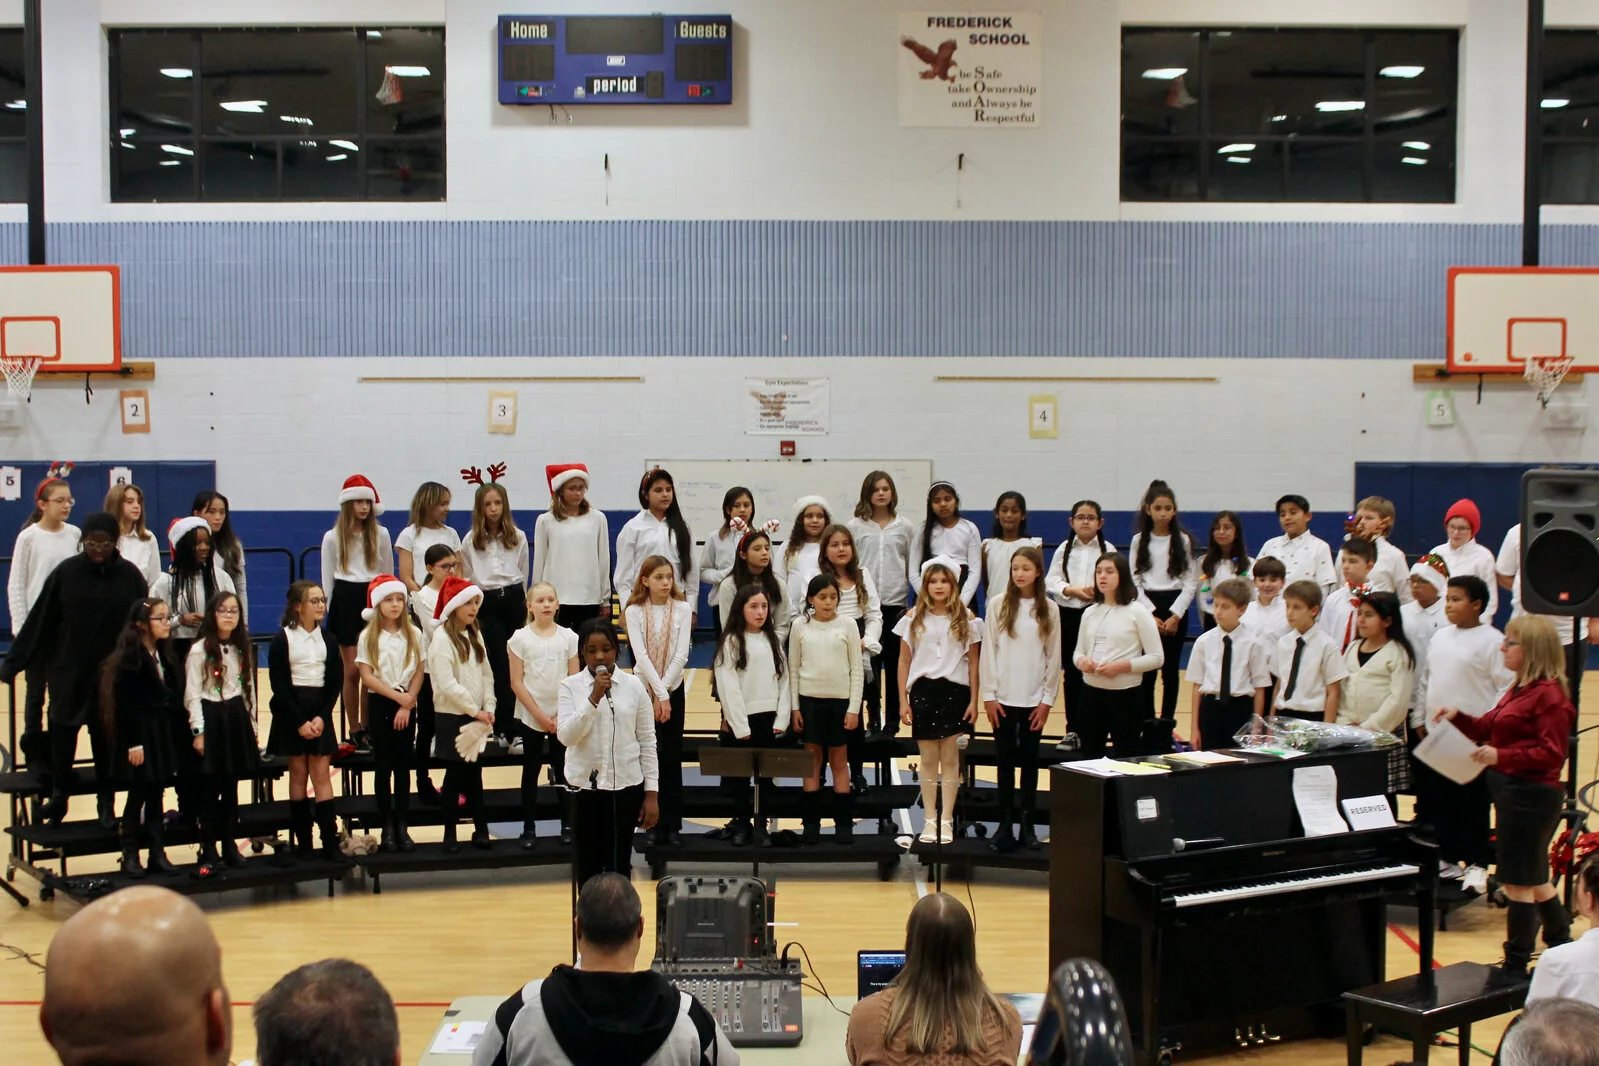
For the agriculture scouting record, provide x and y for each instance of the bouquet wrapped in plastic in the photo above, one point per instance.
(1306, 736)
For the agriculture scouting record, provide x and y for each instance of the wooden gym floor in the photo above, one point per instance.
(433, 937)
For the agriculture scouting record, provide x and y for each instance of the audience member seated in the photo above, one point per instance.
(1571, 971)
(938, 1011)
(603, 1013)
(136, 978)
(1553, 1032)
(328, 1013)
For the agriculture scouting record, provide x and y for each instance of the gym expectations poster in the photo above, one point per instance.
(977, 68)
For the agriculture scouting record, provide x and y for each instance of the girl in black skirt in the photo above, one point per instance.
(306, 674)
(463, 704)
(356, 550)
(824, 652)
(1524, 740)
(938, 683)
(140, 700)
(390, 658)
(219, 694)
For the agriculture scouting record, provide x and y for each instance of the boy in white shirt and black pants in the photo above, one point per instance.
(1309, 662)
(1228, 670)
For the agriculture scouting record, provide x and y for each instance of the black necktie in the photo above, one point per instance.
(1226, 668)
(1293, 671)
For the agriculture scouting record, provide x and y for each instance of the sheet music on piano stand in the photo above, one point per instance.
(1316, 799)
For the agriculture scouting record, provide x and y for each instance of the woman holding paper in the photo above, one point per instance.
(1523, 743)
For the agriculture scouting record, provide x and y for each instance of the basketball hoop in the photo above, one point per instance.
(1546, 372)
(19, 375)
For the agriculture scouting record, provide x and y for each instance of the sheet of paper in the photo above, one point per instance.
(1368, 812)
(1277, 751)
(1448, 750)
(457, 1038)
(1111, 768)
(1203, 758)
(1316, 796)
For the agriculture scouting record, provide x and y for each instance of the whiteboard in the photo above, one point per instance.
(777, 483)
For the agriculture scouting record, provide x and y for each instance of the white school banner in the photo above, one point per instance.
(976, 68)
(785, 405)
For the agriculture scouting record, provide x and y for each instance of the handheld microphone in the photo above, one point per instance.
(1196, 844)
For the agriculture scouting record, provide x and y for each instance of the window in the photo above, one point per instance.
(1571, 117)
(1314, 115)
(13, 119)
(277, 114)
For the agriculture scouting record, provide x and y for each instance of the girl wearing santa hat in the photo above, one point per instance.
(463, 703)
(572, 547)
(306, 675)
(354, 551)
(658, 529)
(390, 659)
(1463, 555)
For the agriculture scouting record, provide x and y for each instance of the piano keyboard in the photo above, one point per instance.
(1291, 884)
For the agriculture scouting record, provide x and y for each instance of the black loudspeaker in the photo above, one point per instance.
(1560, 542)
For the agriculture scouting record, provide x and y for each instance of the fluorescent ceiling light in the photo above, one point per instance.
(1420, 146)
(1165, 73)
(171, 162)
(253, 107)
(1414, 160)
(177, 149)
(409, 72)
(1552, 103)
(1279, 118)
(298, 120)
(1401, 72)
(1340, 105)
(336, 158)
(1224, 149)
(16, 105)
(128, 132)
(375, 33)
(125, 144)
(348, 145)
(1239, 159)
(177, 72)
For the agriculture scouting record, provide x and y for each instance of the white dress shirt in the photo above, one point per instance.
(936, 652)
(308, 656)
(610, 746)
(1321, 665)
(1249, 666)
(1021, 670)
(494, 566)
(1305, 557)
(717, 558)
(1225, 570)
(574, 555)
(1421, 624)
(145, 554)
(756, 689)
(395, 666)
(1073, 564)
(460, 686)
(1473, 558)
(1112, 632)
(960, 542)
(546, 662)
(1158, 577)
(37, 552)
(1337, 618)
(674, 616)
(200, 687)
(851, 607)
(424, 601)
(1570, 971)
(417, 540)
(1466, 670)
(1392, 572)
(355, 567)
(1270, 621)
(886, 552)
(645, 535)
(996, 560)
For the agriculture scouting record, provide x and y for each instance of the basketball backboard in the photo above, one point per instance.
(68, 317)
(1500, 317)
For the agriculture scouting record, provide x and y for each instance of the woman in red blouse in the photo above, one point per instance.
(1523, 744)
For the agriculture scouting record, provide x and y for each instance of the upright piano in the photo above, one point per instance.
(1219, 919)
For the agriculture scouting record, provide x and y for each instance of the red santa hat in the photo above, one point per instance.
(357, 487)
(182, 527)
(1467, 510)
(560, 473)
(1432, 569)
(379, 589)
(455, 592)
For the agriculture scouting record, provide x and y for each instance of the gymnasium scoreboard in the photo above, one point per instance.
(616, 59)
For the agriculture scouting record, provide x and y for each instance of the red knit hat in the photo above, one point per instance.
(357, 487)
(379, 589)
(455, 592)
(1467, 510)
(560, 473)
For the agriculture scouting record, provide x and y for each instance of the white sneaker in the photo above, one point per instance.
(946, 832)
(1475, 880)
(515, 748)
(929, 832)
(1450, 871)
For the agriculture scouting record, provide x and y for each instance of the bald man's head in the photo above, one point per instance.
(136, 978)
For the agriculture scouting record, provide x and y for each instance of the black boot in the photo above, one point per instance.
(480, 837)
(844, 818)
(228, 839)
(763, 835)
(811, 808)
(426, 790)
(157, 862)
(450, 845)
(1004, 841)
(1521, 936)
(107, 809)
(300, 825)
(388, 842)
(327, 824)
(1026, 835)
(130, 849)
(402, 836)
(566, 832)
(52, 810)
(739, 833)
(1556, 922)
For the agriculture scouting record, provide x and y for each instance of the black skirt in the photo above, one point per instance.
(938, 708)
(285, 739)
(345, 605)
(229, 740)
(391, 746)
(824, 722)
(1526, 814)
(446, 726)
(159, 738)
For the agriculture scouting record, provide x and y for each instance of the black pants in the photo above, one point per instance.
(1017, 742)
(464, 779)
(1117, 711)
(64, 749)
(1172, 644)
(1220, 720)
(1071, 621)
(575, 614)
(142, 804)
(393, 752)
(220, 825)
(883, 711)
(504, 612)
(426, 729)
(761, 736)
(602, 830)
(1459, 816)
(669, 755)
(538, 750)
(33, 707)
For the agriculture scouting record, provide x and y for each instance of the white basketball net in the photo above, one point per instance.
(19, 375)
(1546, 372)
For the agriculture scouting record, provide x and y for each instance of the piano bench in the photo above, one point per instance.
(1460, 994)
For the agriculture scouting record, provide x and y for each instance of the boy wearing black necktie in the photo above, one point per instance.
(1309, 662)
(1228, 669)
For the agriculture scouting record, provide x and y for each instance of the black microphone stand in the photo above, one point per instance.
(1576, 821)
(938, 830)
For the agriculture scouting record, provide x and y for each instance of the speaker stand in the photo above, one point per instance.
(1574, 817)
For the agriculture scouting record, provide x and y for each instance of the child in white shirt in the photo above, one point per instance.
(539, 656)
(824, 651)
(1305, 555)
(1462, 553)
(1355, 560)
(752, 680)
(1374, 520)
(1309, 664)
(1267, 616)
(1228, 671)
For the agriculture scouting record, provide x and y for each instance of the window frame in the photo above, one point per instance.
(1547, 140)
(197, 138)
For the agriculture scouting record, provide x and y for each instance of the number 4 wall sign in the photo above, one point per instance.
(135, 410)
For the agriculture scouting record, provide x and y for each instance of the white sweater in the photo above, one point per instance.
(459, 687)
(1465, 669)
(825, 658)
(756, 689)
(676, 617)
(1473, 558)
(1024, 670)
(36, 554)
(574, 555)
(1129, 633)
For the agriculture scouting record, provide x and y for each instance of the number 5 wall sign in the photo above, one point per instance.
(135, 410)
